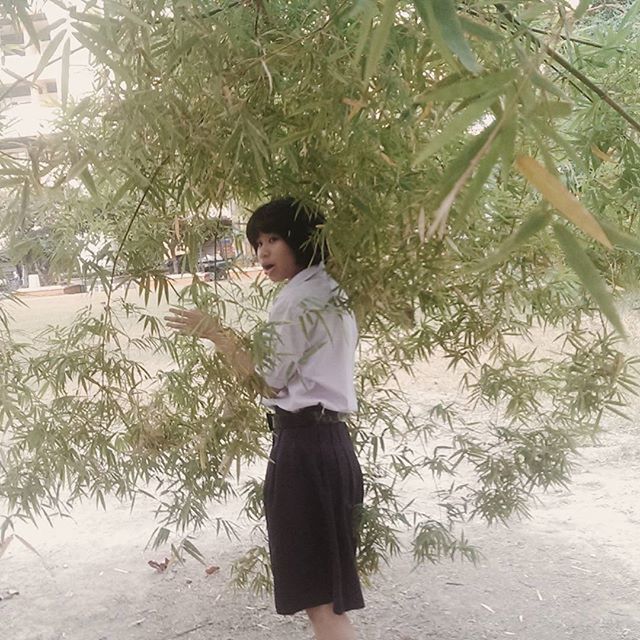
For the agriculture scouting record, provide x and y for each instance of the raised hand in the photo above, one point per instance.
(193, 322)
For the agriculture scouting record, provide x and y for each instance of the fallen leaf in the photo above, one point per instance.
(354, 107)
(159, 566)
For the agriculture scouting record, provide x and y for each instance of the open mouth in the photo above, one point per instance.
(267, 268)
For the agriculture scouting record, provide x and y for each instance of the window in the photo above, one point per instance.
(47, 86)
(41, 26)
(11, 38)
(47, 92)
(10, 33)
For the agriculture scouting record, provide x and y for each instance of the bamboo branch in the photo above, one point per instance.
(130, 226)
(601, 93)
(572, 82)
(299, 39)
(566, 38)
(589, 43)
(565, 64)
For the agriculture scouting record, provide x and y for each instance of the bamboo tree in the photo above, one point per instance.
(472, 194)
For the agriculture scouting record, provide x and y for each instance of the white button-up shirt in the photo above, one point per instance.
(310, 345)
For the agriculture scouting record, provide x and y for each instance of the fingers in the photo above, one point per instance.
(175, 325)
(180, 319)
(182, 313)
(192, 322)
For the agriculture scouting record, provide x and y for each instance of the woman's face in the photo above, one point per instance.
(276, 257)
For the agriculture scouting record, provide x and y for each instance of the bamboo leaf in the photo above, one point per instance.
(631, 16)
(124, 188)
(29, 546)
(457, 125)
(20, 248)
(593, 282)
(474, 28)
(188, 88)
(507, 144)
(482, 144)
(443, 18)
(549, 109)
(581, 9)
(620, 238)
(557, 195)
(601, 155)
(27, 23)
(64, 74)
(4, 544)
(532, 225)
(24, 198)
(87, 180)
(469, 88)
(176, 55)
(78, 168)
(47, 54)
(98, 45)
(368, 15)
(461, 162)
(193, 551)
(119, 9)
(92, 18)
(548, 86)
(481, 176)
(549, 132)
(422, 225)
(54, 25)
(379, 38)
(424, 10)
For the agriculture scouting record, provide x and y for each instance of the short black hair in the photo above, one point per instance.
(297, 224)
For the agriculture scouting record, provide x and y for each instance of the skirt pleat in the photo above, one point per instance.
(313, 495)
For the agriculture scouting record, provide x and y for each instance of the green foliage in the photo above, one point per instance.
(402, 121)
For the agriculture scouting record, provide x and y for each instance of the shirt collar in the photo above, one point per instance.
(303, 276)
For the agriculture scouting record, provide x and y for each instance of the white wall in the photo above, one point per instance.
(34, 114)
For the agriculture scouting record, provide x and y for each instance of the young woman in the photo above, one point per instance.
(313, 487)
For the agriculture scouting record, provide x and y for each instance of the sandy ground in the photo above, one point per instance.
(572, 571)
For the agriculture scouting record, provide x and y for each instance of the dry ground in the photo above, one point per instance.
(572, 571)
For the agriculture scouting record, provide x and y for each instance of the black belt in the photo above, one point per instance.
(306, 417)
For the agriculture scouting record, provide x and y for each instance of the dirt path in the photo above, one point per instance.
(573, 571)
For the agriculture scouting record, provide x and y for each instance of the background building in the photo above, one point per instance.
(31, 81)
(29, 104)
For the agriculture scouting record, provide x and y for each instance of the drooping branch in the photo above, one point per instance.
(601, 93)
(134, 215)
(566, 38)
(567, 66)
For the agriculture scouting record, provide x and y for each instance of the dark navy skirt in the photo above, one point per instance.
(313, 495)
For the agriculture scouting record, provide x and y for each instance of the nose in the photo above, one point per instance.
(262, 252)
